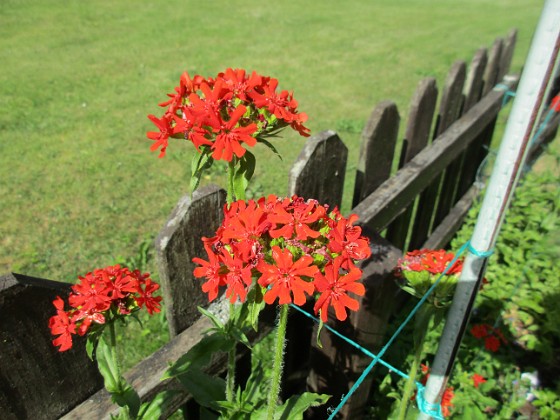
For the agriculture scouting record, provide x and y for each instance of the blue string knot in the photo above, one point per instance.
(508, 93)
(431, 409)
(481, 254)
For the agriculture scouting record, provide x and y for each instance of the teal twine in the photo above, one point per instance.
(351, 342)
(481, 254)
(433, 410)
(508, 93)
(377, 358)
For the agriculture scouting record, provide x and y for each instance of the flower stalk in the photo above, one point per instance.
(422, 323)
(278, 361)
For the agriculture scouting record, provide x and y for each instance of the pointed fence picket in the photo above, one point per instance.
(421, 205)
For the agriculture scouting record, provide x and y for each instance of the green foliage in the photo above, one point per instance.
(520, 299)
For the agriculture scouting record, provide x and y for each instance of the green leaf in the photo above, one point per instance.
(256, 305)
(200, 162)
(319, 329)
(295, 406)
(218, 324)
(243, 174)
(90, 346)
(107, 366)
(127, 397)
(270, 146)
(161, 403)
(205, 389)
(200, 354)
(254, 393)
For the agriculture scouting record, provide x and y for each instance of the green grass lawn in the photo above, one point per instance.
(78, 183)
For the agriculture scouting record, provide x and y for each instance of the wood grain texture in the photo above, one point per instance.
(36, 380)
(177, 244)
(319, 170)
(377, 150)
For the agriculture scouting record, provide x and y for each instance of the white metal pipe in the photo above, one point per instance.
(520, 126)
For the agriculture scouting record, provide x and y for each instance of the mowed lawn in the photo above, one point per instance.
(78, 184)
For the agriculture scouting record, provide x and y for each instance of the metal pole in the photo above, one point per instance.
(521, 123)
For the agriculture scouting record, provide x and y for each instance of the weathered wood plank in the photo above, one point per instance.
(450, 110)
(322, 154)
(377, 150)
(492, 70)
(473, 93)
(336, 366)
(36, 380)
(475, 79)
(176, 245)
(507, 54)
(390, 199)
(418, 129)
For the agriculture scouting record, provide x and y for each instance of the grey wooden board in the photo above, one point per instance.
(377, 149)
(177, 244)
(36, 380)
(319, 170)
(492, 70)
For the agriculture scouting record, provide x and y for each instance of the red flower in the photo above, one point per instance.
(213, 272)
(478, 379)
(285, 277)
(297, 221)
(334, 289)
(62, 325)
(346, 240)
(100, 297)
(447, 397)
(433, 261)
(446, 401)
(145, 297)
(238, 278)
(229, 138)
(493, 337)
(199, 106)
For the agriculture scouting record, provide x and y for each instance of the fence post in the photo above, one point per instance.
(377, 150)
(418, 129)
(319, 170)
(36, 380)
(176, 245)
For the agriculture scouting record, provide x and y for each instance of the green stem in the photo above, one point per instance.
(124, 411)
(230, 381)
(231, 173)
(278, 362)
(422, 323)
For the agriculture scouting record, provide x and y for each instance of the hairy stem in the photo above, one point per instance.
(422, 323)
(230, 381)
(278, 361)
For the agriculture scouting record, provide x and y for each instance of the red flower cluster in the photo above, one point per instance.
(100, 297)
(224, 112)
(292, 247)
(433, 261)
(478, 379)
(493, 337)
(446, 398)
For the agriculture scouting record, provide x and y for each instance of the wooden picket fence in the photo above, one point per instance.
(421, 205)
